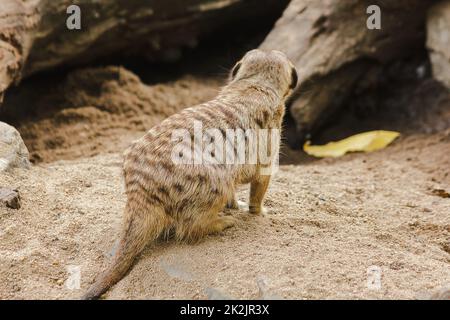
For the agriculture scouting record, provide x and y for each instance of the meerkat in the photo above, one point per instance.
(187, 200)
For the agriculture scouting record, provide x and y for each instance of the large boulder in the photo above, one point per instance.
(438, 41)
(333, 48)
(13, 152)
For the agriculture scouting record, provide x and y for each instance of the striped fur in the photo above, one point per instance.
(187, 199)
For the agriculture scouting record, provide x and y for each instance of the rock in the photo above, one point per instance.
(438, 41)
(443, 294)
(332, 48)
(13, 152)
(10, 197)
(217, 294)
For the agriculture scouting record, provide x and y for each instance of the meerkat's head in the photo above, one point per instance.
(271, 69)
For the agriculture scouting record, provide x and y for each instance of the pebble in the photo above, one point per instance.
(10, 197)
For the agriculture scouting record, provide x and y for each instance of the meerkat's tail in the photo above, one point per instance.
(139, 229)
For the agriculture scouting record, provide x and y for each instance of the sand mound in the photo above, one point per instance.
(97, 110)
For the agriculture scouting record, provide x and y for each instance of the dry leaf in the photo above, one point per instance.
(366, 142)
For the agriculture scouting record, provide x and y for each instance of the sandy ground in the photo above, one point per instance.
(329, 220)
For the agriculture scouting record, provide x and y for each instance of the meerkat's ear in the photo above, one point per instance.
(235, 70)
(294, 78)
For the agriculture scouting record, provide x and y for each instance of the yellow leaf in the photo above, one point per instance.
(366, 141)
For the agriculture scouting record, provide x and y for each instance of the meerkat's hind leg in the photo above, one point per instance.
(205, 224)
(207, 227)
(220, 223)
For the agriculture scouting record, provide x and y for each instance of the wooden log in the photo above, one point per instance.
(34, 35)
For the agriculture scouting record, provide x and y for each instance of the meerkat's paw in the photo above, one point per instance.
(258, 210)
(237, 205)
(224, 222)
